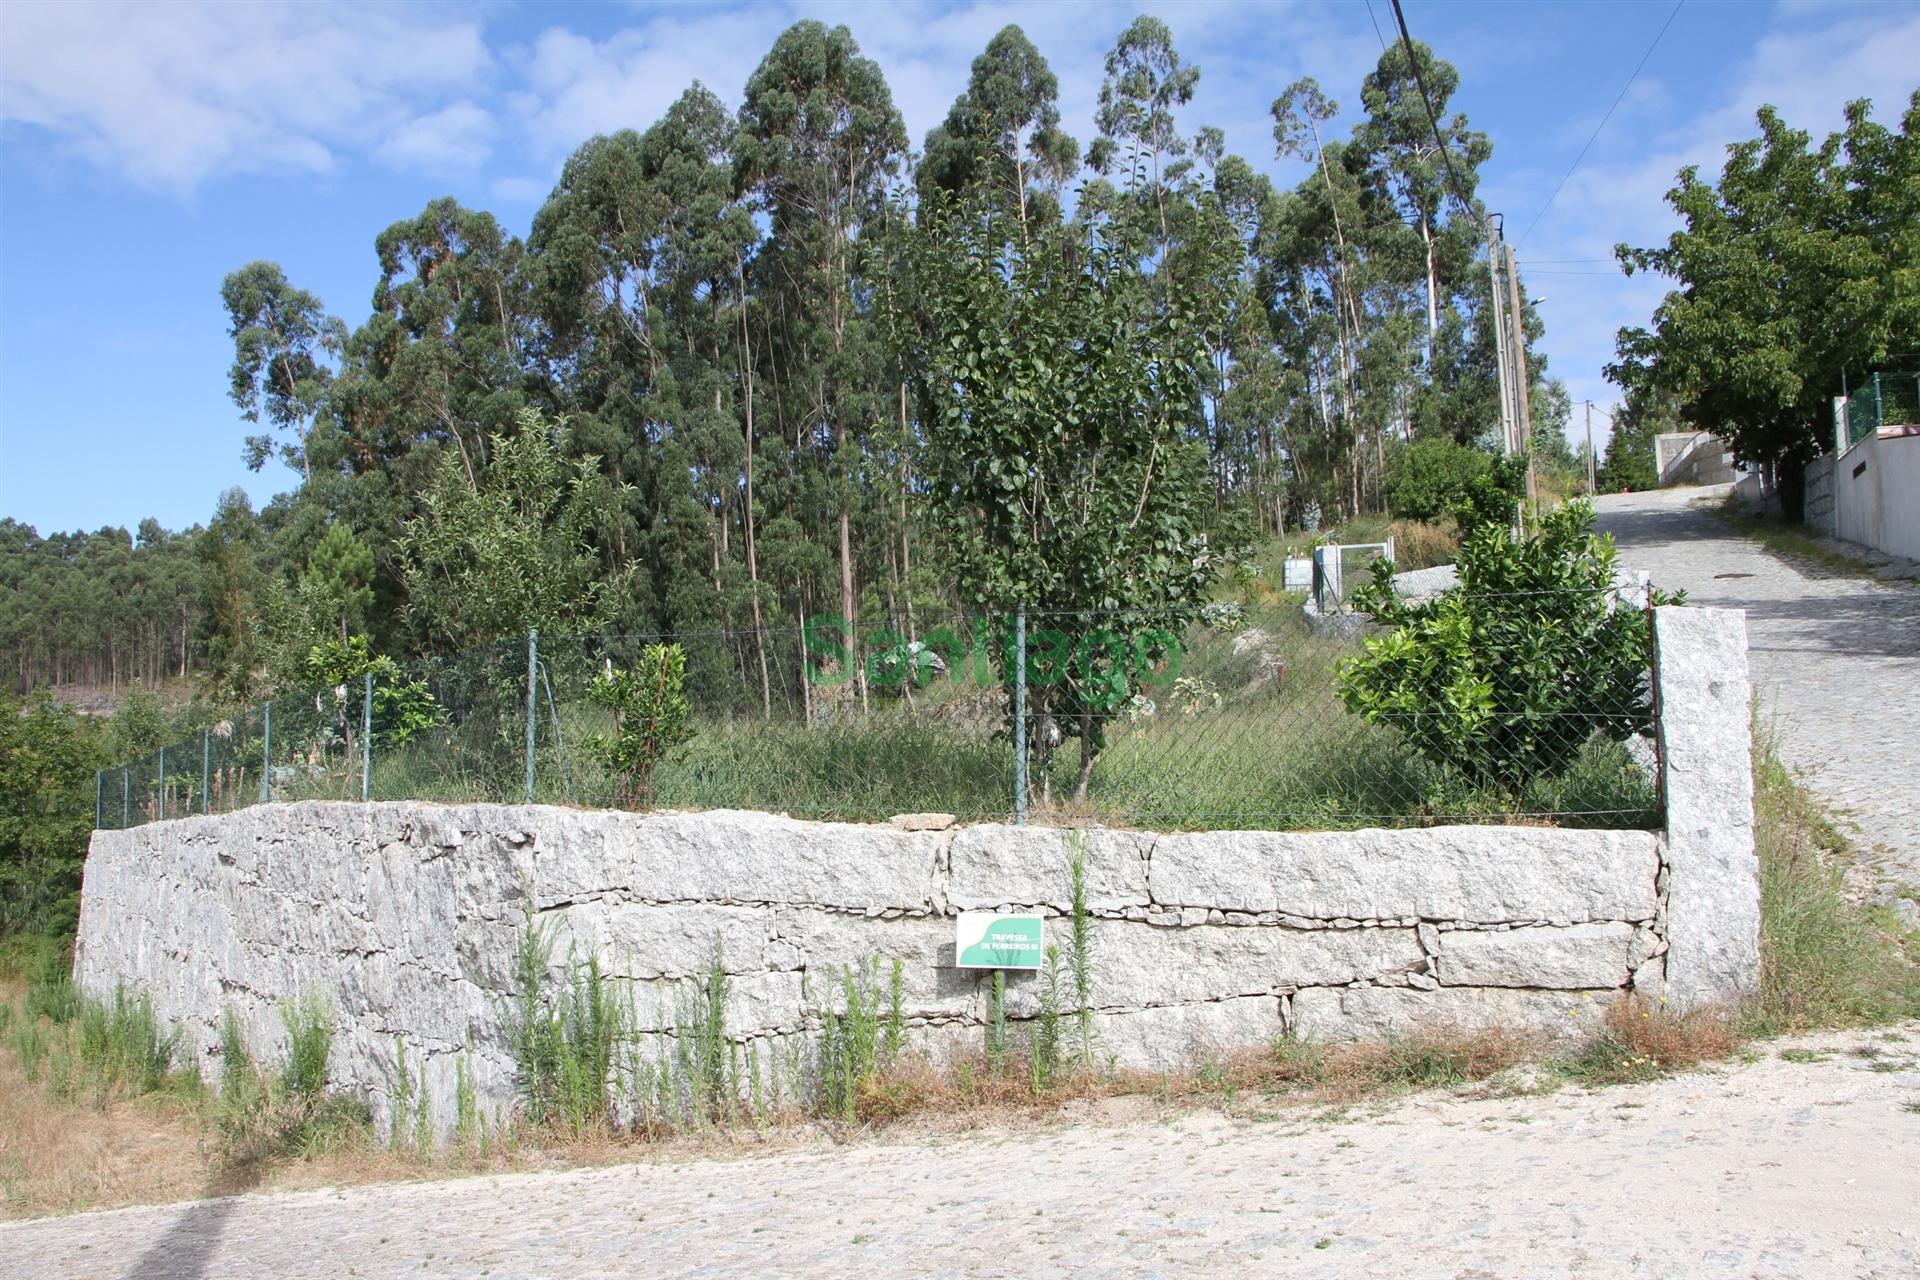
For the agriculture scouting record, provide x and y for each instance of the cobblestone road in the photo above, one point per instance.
(1836, 659)
(1794, 1166)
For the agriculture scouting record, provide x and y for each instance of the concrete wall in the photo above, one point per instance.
(1876, 494)
(1692, 457)
(409, 914)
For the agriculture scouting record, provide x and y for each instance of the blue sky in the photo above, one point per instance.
(148, 149)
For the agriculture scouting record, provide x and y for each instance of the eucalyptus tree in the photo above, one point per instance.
(819, 140)
(443, 359)
(1003, 131)
(1146, 81)
(283, 341)
(1413, 170)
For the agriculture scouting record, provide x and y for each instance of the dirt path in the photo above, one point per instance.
(1800, 1165)
(1836, 658)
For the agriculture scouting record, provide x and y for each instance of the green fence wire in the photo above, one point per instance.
(1232, 718)
(1883, 400)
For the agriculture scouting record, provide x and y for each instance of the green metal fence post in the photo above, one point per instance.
(366, 742)
(163, 784)
(98, 785)
(126, 800)
(533, 658)
(1020, 715)
(206, 771)
(266, 753)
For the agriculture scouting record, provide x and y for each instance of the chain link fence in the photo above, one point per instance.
(1237, 715)
(1884, 400)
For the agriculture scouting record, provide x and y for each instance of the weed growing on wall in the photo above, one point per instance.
(1045, 1054)
(1080, 943)
(264, 1113)
(309, 1023)
(565, 1042)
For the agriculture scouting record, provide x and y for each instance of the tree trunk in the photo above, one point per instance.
(753, 563)
(1087, 752)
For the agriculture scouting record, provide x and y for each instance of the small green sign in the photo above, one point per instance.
(987, 940)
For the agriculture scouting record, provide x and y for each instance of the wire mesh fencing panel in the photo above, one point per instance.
(1253, 714)
(817, 720)
(1340, 568)
(1883, 400)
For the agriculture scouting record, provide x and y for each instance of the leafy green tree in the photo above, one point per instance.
(48, 755)
(232, 582)
(338, 578)
(1146, 81)
(508, 551)
(1408, 164)
(1795, 269)
(1629, 460)
(1056, 385)
(1507, 677)
(403, 708)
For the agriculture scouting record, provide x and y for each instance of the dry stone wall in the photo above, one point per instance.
(410, 916)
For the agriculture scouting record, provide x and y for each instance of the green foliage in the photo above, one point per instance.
(1793, 271)
(565, 1043)
(507, 550)
(1492, 499)
(1629, 461)
(263, 1114)
(309, 1023)
(122, 1043)
(1080, 960)
(1826, 960)
(650, 717)
(852, 1051)
(1504, 678)
(1431, 477)
(48, 756)
(403, 708)
(1057, 387)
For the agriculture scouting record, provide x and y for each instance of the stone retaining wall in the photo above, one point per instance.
(410, 915)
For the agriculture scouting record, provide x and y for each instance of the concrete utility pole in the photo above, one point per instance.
(1593, 470)
(1494, 292)
(1524, 416)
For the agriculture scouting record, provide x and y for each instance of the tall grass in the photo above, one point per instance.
(1825, 960)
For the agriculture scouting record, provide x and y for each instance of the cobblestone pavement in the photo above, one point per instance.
(1836, 659)
(1784, 1166)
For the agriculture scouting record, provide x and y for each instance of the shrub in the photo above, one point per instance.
(1504, 678)
(650, 711)
(1431, 476)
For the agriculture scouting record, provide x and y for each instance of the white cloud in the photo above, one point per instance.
(577, 87)
(173, 95)
(456, 138)
(516, 190)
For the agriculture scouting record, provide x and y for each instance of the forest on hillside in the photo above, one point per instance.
(699, 397)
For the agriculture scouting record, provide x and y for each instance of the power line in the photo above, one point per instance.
(1603, 121)
(1426, 100)
(1376, 27)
